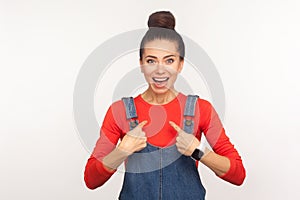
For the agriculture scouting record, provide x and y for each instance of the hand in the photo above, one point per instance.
(134, 140)
(186, 143)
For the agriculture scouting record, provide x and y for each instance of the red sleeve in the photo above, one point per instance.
(95, 175)
(214, 132)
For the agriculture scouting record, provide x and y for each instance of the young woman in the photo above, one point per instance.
(160, 130)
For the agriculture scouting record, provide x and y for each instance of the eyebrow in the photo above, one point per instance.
(163, 57)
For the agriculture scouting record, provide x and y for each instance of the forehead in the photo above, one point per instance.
(160, 47)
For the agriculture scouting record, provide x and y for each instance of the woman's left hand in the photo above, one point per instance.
(186, 143)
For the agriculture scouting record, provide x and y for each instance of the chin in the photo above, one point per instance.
(159, 90)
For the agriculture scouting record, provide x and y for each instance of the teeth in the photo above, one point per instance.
(160, 79)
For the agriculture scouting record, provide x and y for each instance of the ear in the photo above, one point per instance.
(181, 62)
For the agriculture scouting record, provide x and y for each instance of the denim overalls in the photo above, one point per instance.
(156, 173)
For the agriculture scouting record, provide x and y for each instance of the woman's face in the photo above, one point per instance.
(161, 64)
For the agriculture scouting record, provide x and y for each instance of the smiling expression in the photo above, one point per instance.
(161, 64)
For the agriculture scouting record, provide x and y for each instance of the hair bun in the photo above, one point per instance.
(162, 19)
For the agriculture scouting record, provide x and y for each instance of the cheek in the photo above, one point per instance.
(172, 70)
(148, 70)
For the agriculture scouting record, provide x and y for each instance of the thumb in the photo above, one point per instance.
(175, 126)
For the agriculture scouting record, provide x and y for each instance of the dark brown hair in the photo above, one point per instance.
(162, 26)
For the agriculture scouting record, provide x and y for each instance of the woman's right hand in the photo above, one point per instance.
(134, 140)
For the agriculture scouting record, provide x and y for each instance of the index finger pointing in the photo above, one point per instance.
(175, 126)
(142, 124)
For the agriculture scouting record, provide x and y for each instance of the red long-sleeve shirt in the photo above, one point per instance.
(160, 133)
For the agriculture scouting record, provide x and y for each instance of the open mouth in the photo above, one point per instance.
(159, 79)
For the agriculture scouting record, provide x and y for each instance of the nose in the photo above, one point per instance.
(160, 69)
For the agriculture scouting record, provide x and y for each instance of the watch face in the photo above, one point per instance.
(197, 154)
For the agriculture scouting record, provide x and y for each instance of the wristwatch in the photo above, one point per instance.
(197, 154)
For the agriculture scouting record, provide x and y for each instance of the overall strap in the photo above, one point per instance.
(189, 113)
(131, 114)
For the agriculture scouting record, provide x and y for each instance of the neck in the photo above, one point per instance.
(159, 99)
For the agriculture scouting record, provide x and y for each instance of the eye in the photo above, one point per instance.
(150, 61)
(170, 61)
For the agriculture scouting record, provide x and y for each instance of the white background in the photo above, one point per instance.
(255, 46)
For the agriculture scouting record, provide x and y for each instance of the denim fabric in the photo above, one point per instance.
(156, 173)
(161, 173)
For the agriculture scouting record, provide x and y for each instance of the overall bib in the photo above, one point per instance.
(156, 173)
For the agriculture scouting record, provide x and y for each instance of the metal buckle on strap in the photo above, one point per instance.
(188, 122)
(133, 124)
